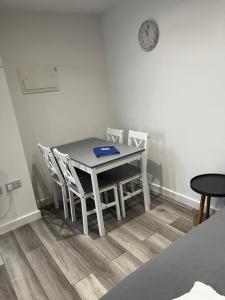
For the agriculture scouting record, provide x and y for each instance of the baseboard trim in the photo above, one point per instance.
(33, 216)
(186, 200)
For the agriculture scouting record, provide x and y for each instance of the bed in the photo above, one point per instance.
(198, 256)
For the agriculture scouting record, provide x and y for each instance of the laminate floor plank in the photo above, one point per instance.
(155, 201)
(102, 268)
(1, 261)
(43, 233)
(59, 227)
(52, 259)
(110, 222)
(179, 210)
(7, 291)
(158, 226)
(128, 241)
(157, 243)
(27, 238)
(135, 206)
(127, 263)
(22, 276)
(52, 279)
(138, 230)
(166, 215)
(90, 288)
(183, 224)
(109, 247)
(72, 266)
(71, 262)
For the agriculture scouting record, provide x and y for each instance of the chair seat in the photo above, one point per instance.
(81, 173)
(85, 180)
(107, 178)
(121, 173)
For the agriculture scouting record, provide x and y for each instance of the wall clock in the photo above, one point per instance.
(148, 35)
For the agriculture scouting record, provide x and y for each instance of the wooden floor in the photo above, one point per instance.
(50, 259)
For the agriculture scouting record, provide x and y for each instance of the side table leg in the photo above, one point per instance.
(208, 207)
(201, 209)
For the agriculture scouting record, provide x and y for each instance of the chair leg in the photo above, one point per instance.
(55, 194)
(65, 204)
(117, 203)
(72, 207)
(84, 214)
(106, 198)
(132, 187)
(122, 201)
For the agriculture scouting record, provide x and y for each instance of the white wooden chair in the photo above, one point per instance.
(82, 188)
(56, 176)
(115, 135)
(130, 172)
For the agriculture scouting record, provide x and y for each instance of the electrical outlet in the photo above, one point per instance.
(13, 185)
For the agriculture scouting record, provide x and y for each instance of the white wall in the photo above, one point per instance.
(13, 166)
(177, 91)
(74, 43)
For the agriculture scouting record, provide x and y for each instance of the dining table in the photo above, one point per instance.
(83, 157)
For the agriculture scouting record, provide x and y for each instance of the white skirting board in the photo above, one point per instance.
(154, 187)
(177, 196)
(33, 216)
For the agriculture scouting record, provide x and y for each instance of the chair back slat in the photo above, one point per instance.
(51, 162)
(115, 135)
(68, 170)
(139, 139)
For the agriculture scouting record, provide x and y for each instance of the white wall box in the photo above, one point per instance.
(38, 79)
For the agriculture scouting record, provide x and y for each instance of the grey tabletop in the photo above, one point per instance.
(82, 151)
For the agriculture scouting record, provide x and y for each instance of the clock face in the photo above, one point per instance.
(148, 35)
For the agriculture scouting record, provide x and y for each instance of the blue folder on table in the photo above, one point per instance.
(105, 151)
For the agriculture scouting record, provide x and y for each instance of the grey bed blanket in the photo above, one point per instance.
(198, 256)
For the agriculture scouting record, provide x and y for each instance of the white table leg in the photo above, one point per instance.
(145, 182)
(98, 207)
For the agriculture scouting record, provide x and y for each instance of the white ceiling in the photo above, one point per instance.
(76, 6)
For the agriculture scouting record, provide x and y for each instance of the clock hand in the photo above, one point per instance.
(146, 32)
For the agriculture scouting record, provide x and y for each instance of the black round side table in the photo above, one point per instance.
(210, 185)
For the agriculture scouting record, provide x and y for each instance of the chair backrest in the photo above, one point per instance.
(68, 170)
(115, 135)
(139, 139)
(51, 162)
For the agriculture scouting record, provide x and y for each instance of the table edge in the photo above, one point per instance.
(111, 161)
